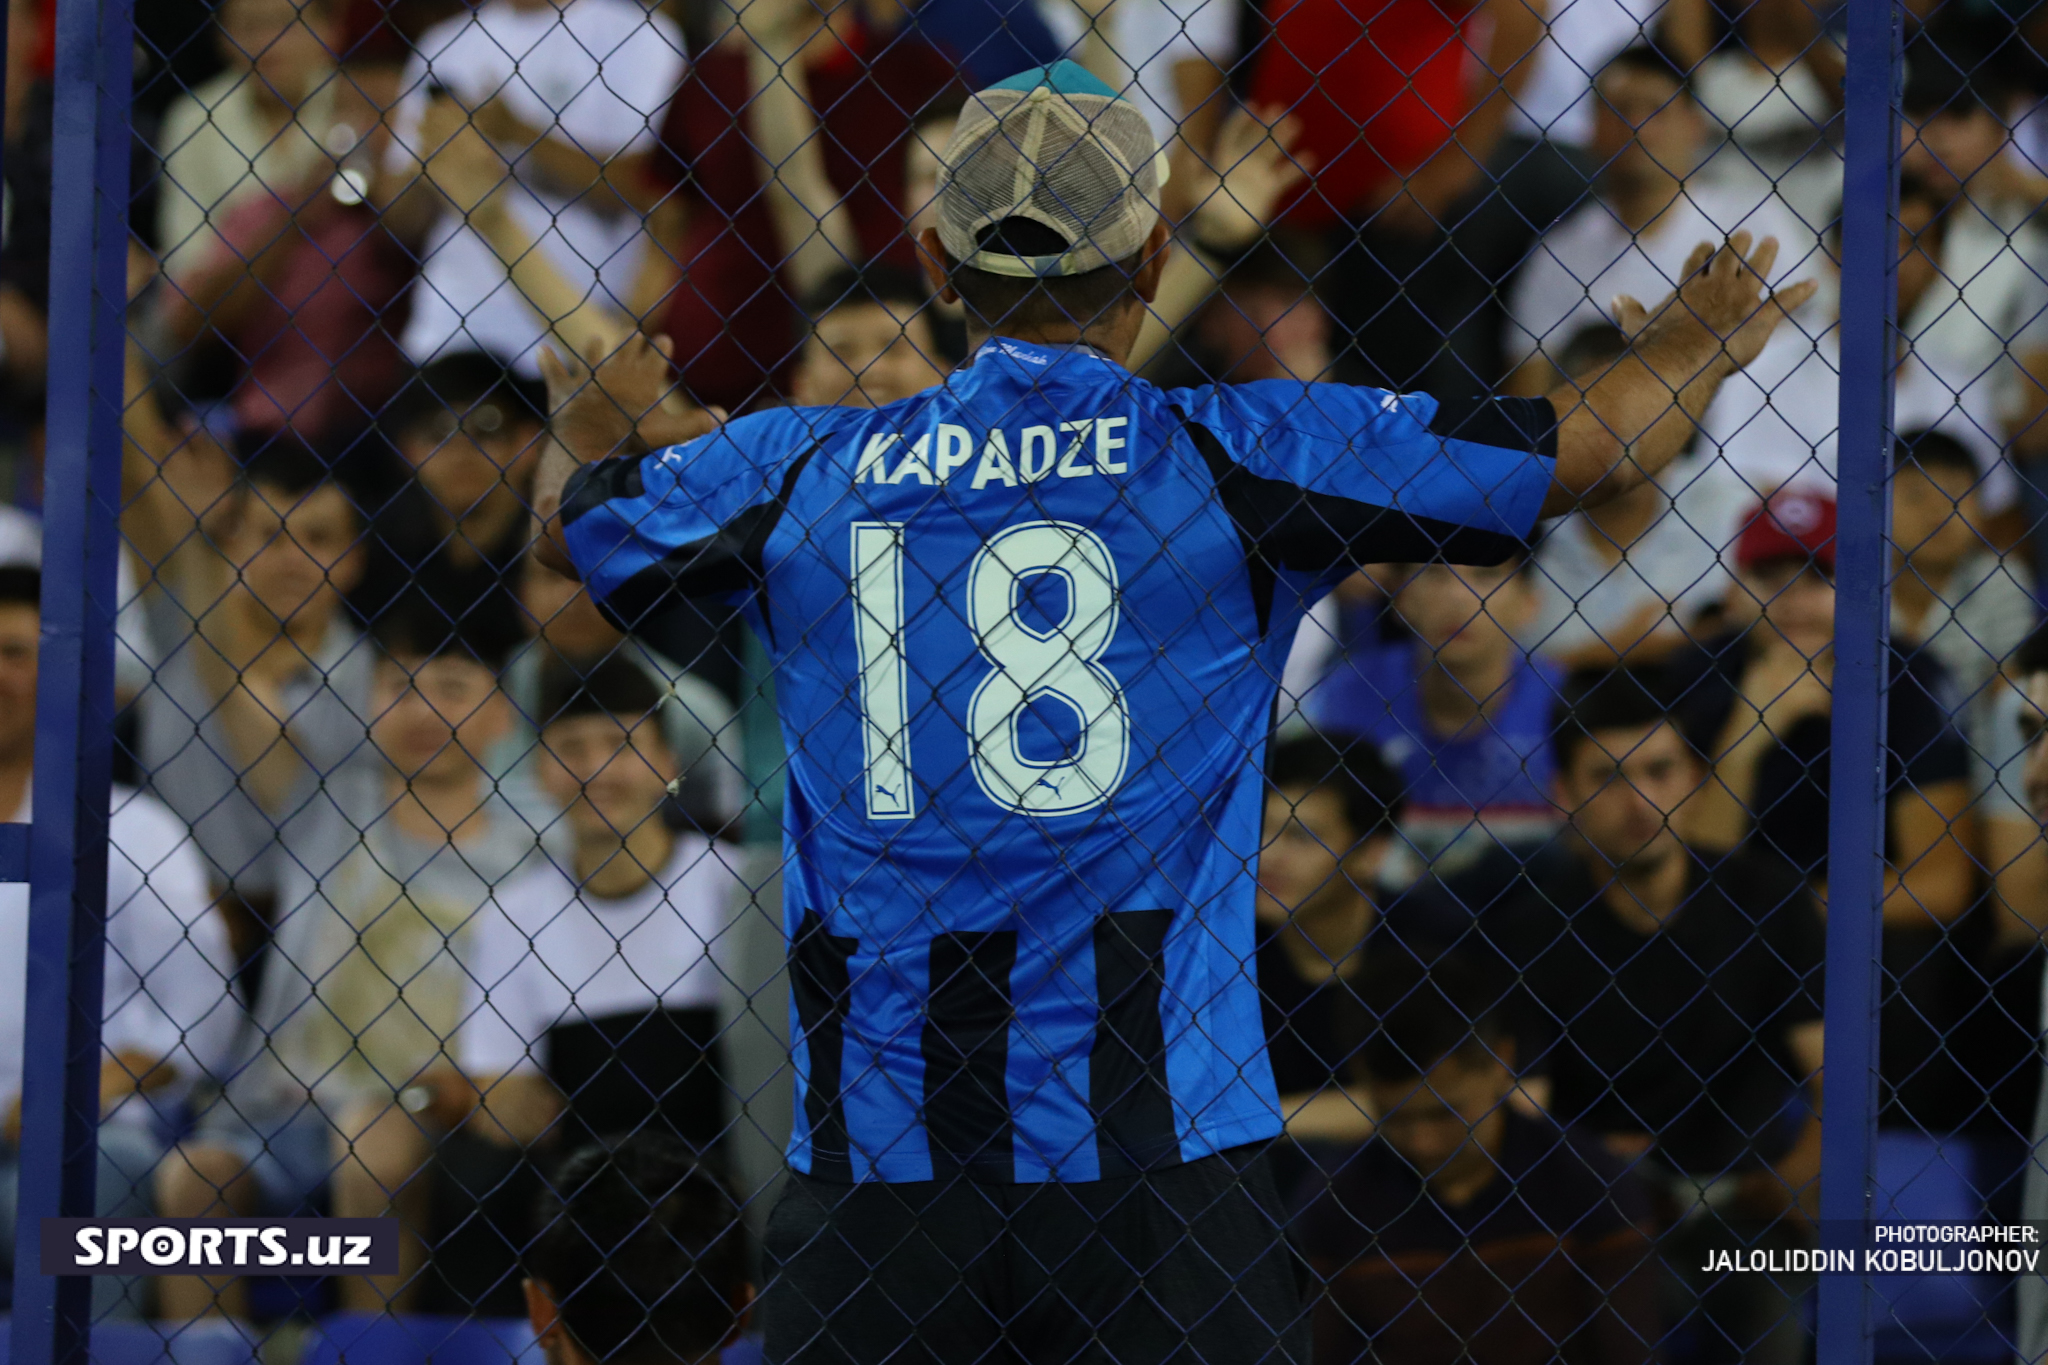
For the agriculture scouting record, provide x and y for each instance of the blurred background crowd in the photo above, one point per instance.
(422, 875)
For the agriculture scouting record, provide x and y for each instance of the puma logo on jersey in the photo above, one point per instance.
(1070, 450)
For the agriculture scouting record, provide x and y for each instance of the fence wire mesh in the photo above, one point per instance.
(1128, 680)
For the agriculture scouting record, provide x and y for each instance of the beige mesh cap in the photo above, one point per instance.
(1056, 146)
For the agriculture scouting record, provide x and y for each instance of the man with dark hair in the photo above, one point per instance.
(1028, 629)
(1467, 1230)
(387, 870)
(451, 514)
(872, 340)
(1332, 811)
(1463, 715)
(641, 1258)
(1668, 997)
(1954, 596)
(1649, 136)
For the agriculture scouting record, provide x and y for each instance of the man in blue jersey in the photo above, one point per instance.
(1027, 630)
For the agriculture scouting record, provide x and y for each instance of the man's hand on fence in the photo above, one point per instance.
(602, 403)
(1725, 292)
(1635, 417)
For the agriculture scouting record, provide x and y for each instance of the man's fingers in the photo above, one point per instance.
(1734, 253)
(1697, 261)
(1765, 256)
(1793, 297)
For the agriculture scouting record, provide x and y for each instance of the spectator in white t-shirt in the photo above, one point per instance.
(1982, 324)
(1635, 235)
(591, 1009)
(1629, 580)
(1954, 596)
(1962, 371)
(572, 93)
(1580, 39)
(168, 1014)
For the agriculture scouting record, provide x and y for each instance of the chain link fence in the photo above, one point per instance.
(1125, 680)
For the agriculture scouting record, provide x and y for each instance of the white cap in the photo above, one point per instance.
(1056, 146)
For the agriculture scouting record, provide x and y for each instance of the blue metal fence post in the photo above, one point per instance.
(1862, 620)
(75, 690)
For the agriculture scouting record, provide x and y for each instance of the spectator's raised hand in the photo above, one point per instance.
(466, 168)
(1240, 186)
(1724, 291)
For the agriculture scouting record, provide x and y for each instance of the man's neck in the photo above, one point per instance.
(1465, 1176)
(1106, 338)
(1638, 201)
(1917, 588)
(1452, 700)
(437, 807)
(611, 868)
(260, 643)
(17, 772)
(1324, 942)
(484, 524)
(1644, 898)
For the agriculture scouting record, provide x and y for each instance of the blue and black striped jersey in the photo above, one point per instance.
(1027, 630)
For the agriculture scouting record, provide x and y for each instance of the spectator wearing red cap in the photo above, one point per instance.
(1756, 702)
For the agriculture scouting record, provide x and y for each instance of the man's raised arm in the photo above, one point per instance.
(1620, 429)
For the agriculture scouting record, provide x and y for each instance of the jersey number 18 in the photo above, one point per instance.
(1028, 664)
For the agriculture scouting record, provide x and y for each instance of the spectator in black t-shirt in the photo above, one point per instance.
(1670, 998)
(1466, 1231)
(641, 1258)
(1330, 814)
(453, 515)
(1756, 702)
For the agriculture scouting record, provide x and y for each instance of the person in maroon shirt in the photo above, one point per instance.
(739, 244)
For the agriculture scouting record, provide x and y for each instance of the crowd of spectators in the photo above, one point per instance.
(421, 874)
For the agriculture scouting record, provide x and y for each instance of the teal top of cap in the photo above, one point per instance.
(1064, 77)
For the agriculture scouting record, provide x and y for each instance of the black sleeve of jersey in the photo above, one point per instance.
(1504, 423)
(1287, 527)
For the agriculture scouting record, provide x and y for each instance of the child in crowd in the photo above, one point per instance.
(1465, 1230)
(1332, 812)
(873, 340)
(385, 874)
(590, 1009)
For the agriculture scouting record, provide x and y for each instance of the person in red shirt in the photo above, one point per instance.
(759, 211)
(1401, 105)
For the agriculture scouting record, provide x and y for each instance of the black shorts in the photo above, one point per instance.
(1188, 1265)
